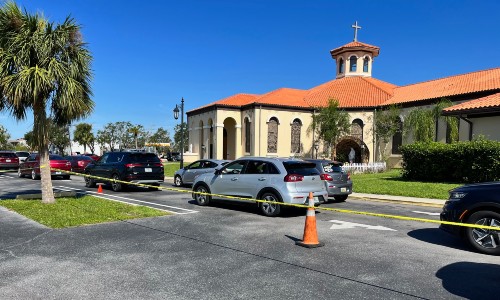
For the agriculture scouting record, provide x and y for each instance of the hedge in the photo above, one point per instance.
(475, 161)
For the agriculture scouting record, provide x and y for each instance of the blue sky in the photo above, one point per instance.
(149, 54)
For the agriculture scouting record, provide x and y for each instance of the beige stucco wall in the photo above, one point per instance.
(359, 64)
(487, 126)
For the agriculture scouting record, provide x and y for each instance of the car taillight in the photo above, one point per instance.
(81, 163)
(293, 178)
(132, 165)
(158, 165)
(326, 177)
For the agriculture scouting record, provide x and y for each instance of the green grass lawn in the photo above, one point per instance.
(391, 183)
(68, 212)
(171, 167)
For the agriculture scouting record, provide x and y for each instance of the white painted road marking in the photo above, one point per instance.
(187, 211)
(426, 213)
(349, 225)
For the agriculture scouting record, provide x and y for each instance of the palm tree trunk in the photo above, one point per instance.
(40, 129)
(136, 141)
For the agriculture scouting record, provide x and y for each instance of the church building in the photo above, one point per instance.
(277, 124)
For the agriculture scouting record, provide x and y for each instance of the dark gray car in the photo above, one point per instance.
(338, 183)
(189, 173)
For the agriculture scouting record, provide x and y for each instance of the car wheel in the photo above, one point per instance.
(115, 185)
(340, 198)
(484, 240)
(34, 176)
(178, 181)
(66, 177)
(201, 197)
(270, 209)
(89, 182)
(19, 173)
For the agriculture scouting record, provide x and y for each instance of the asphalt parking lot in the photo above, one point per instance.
(230, 251)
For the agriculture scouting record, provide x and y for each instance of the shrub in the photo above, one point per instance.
(475, 161)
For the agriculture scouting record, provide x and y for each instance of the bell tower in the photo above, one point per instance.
(355, 58)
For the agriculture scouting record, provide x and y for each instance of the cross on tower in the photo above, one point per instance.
(356, 27)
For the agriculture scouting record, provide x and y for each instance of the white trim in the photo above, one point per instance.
(237, 126)
(247, 116)
(219, 125)
(196, 128)
(207, 126)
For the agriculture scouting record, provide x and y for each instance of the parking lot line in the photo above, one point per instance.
(186, 211)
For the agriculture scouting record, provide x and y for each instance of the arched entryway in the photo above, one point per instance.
(361, 151)
(229, 139)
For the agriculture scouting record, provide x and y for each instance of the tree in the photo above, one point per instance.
(135, 131)
(83, 135)
(59, 137)
(123, 134)
(177, 137)
(161, 136)
(44, 67)
(451, 121)
(4, 138)
(30, 139)
(107, 138)
(330, 124)
(387, 124)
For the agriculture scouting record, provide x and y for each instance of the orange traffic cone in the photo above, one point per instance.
(310, 239)
(99, 189)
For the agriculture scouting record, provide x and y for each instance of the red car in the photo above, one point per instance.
(93, 156)
(79, 162)
(9, 160)
(31, 166)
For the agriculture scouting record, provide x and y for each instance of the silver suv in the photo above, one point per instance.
(272, 179)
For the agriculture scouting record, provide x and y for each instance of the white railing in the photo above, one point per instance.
(375, 167)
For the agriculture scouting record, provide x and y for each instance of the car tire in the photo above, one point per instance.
(19, 173)
(34, 176)
(178, 181)
(340, 198)
(89, 182)
(202, 199)
(268, 209)
(116, 186)
(66, 177)
(484, 240)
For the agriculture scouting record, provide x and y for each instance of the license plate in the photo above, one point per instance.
(343, 190)
(148, 170)
(7, 160)
(57, 173)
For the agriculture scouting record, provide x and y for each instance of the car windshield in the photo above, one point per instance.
(332, 168)
(301, 168)
(23, 154)
(7, 154)
(143, 158)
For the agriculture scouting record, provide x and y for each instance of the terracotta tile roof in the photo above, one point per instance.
(491, 101)
(449, 86)
(351, 92)
(284, 97)
(353, 46)
(235, 100)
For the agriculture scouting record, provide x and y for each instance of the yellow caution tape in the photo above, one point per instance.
(290, 204)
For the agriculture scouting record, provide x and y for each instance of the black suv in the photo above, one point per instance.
(476, 204)
(135, 167)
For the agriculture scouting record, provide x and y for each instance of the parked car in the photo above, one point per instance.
(79, 162)
(173, 156)
(273, 179)
(134, 167)
(189, 173)
(9, 160)
(31, 166)
(337, 182)
(22, 155)
(95, 157)
(476, 204)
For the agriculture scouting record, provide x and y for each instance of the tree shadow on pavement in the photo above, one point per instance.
(471, 280)
(438, 237)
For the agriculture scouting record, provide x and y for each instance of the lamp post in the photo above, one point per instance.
(176, 116)
(316, 147)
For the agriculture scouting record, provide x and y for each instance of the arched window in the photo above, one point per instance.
(341, 65)
(248, 136)
(365, 64)
(397, 138)
(296, 128)
(272, 135)
(353, 62)
(357, 129)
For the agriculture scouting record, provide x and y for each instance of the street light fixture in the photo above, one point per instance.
(316, 147)
(176, 116)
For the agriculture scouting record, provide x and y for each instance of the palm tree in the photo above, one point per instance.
(44, 67)
(135, 131)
